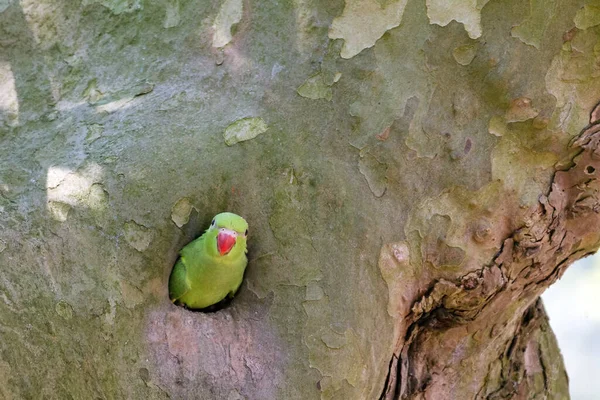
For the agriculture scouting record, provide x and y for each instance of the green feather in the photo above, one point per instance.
(178, 283)
(202, 276)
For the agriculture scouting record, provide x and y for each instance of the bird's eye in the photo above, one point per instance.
(212, 223)
(246, 233)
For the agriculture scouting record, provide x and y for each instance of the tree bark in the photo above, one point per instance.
(491, 321)
(414, 177)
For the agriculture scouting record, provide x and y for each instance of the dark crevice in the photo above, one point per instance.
(211, 309)
(391, 379)
(544, 371)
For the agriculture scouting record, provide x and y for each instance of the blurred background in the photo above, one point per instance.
(573, 304)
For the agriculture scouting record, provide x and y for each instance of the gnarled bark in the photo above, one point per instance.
(491, 322)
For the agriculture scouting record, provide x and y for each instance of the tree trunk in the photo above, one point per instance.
(412, 185)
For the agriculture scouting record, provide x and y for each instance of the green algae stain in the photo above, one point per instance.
(522, 159)
(64, 309)
(244, 129)
(315, 88)
(464, 55)
(573, 80)
(587, 17)
(497, 126)
(531, 31)
(117, 6)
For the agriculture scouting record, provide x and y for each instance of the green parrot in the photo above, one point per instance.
(211, 267)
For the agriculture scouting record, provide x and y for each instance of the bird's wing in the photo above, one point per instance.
(178, 283)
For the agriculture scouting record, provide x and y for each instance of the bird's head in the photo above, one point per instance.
(231, 232)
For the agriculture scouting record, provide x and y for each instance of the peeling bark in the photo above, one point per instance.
(496, 312)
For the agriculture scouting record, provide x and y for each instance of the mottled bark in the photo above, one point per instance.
(491, 322)
(414, 177)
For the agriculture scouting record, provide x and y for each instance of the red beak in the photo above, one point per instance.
(225, 242)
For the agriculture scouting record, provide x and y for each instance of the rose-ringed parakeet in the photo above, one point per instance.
(211, 267)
